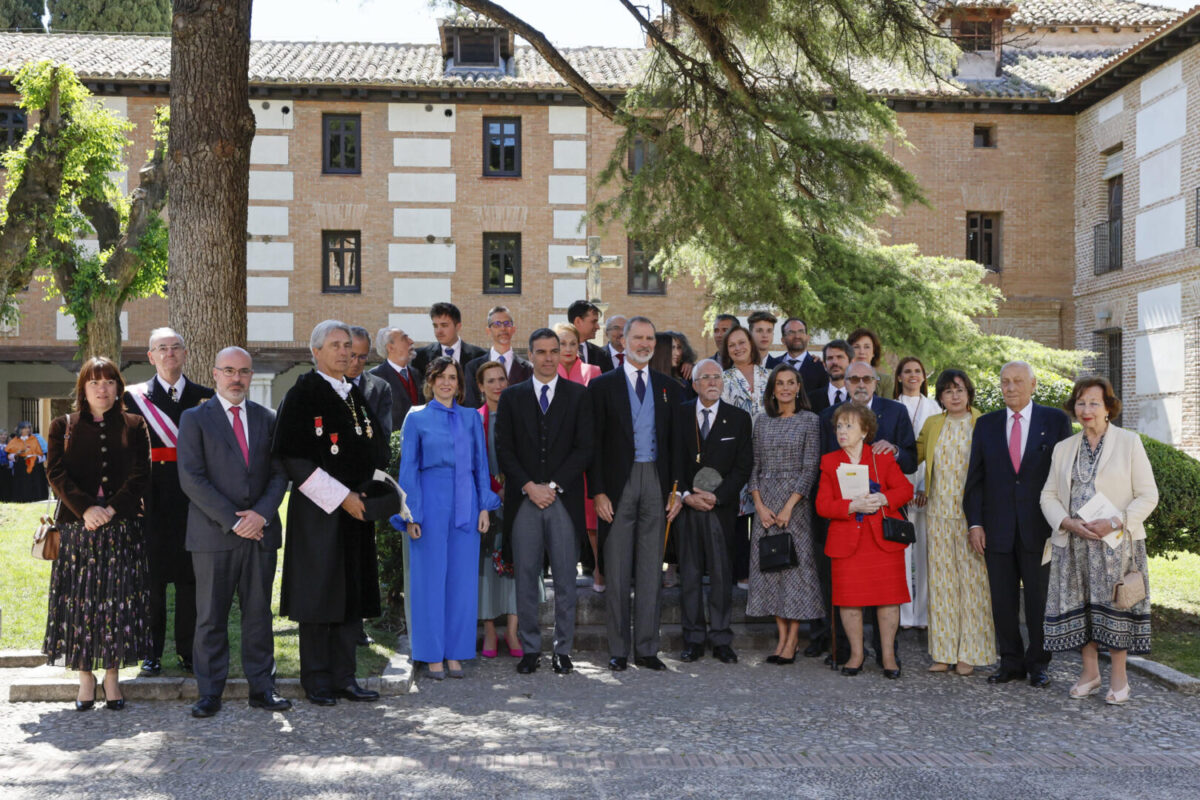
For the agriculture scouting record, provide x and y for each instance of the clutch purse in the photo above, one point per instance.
(1131, 589)
(45, 540)
(707, 480)
(900, 531)
(776, 552)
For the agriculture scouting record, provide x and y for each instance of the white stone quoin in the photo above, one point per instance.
(270, 185)
(421, 117)
(417, 223)
(408, 152)
(421, 187)
(269, 326)
(267, 220)
(262, 291)
(421, 257)
(266, 149)
(419, 292)
(269, 255)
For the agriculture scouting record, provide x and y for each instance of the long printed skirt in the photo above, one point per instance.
(960, 601)
(1079, 601)
(99, 608)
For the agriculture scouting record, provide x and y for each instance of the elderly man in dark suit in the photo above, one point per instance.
(715, 437)
(543, 444)
(395, 347)
(585, 316)
(1010, 461)
(162, 401)
(637, 458)
(447, 324)
(376, 391)
(235, 486)
(894, 435)
(501, 329)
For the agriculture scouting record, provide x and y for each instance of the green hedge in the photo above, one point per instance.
(389, 543)
(1174, 526)
(1052, 390)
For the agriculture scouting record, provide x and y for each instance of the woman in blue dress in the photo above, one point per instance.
(444, 473)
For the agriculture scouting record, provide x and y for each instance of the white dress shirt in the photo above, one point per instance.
(631, 372)
(494, 355)
(177, 386)
(456, 348)
(537, 389)
(399, 369)
(1008, 425)
(340, 385)
(712, 414)
(833, 390)
(243, 414)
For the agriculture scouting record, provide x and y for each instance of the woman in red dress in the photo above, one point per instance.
(868, 570)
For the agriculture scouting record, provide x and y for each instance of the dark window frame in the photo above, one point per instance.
(327, 167)
(975, 35)
(640, 276)
(328, 249)
(989, 136)
(976, 224)
(1110, 348)
(10, 132)
(470, 32)
(491, 246)
(488, 171)
(642, 151)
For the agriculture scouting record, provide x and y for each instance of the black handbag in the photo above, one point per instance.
(776, 552)
(896, 530)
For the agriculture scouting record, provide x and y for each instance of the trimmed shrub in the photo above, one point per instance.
(389, 543)
(1052, 390)
(1174, 526)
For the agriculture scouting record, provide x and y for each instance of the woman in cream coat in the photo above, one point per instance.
(1105, 460)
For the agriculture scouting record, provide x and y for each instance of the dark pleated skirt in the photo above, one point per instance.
(99, 609)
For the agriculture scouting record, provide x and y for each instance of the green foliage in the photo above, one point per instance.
(1174, 526)
(389, 541)
(25, 15)
(1051, 390)
(111, 16)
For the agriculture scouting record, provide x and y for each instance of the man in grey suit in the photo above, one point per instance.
(233, 533)
(376, 391)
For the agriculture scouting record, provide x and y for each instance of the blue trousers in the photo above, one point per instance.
(443, 577)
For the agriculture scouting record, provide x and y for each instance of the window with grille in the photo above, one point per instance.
(341, 270)
(502, 263)
(643, 279)
(343, 140)
(12, 127)
(974, 36)
(983, 239)
(476, 49)
(502, 146)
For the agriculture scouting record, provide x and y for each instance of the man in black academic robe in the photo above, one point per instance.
(331, 444)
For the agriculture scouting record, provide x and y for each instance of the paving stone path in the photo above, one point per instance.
(701, 730)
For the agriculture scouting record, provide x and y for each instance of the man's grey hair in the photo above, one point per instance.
(383, 338)
(853, 364)
(320, 333)
(359, 332)
(1024, 365)
(629, 323)
(163, 333)
(613, 320)
(699, 367)
(498, 310)
(231, 349)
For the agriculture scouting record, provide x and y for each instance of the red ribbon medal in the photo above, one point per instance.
(318, 429)
(333, 448)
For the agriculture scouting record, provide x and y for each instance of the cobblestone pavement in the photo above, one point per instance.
(702, 730)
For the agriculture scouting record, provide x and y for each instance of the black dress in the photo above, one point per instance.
(99, 607)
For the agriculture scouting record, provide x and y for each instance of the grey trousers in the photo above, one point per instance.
(635, 536)
(536, 532)
(701, 541)
(248, 571)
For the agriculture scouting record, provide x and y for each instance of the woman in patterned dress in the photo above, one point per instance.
(745, 379)
(1108, 465)
(99, 466)
(787, 450)
(960, 603)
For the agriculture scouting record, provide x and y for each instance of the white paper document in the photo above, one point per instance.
(854, 480)
(1100, 507)
(380, 475)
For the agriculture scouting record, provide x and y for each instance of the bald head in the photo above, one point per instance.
(862, 379)
(232, 371)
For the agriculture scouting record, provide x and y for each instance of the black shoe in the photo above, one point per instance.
(772, 659)
(1038, 679)
(185, 664)
(528, 663)
(618, 663)
(725, 654)
(891, 674)
(115, 705)
(321, 697)
(270, 700)
(815, 648)
(86, 705)
(151, 668)
(1004, 675)
(782, 661)
(365, 640)
(693, 652)
(562, 664)
(840, 662)
(357, 693)
(649, 662)
(206, 706)
(852, 671)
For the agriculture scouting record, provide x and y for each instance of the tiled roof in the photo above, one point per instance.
(1032, 74)
(148, 58)
(466, 19)
(1142, 44)
(1090, 12)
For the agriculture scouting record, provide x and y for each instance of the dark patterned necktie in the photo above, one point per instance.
(544, 400)
(173, 394)
(837, 399)
(641, 387)
(704, 429)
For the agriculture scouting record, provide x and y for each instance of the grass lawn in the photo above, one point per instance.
(24, 583)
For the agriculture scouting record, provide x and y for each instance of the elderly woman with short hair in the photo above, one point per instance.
(24, 457)
(1100, 490)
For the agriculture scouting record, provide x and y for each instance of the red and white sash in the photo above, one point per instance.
(162, 425)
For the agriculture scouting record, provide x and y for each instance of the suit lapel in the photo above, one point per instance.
(624, 404)
(220, 421)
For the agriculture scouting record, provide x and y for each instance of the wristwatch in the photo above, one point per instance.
(554, 486)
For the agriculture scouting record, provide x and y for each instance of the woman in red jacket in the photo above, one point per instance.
(868, 570)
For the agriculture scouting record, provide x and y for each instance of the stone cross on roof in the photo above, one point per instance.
(594, 263)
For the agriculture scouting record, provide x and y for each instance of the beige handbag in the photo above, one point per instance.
(1131, 588)
(45, 538)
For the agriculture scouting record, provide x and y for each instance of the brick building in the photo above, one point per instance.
(387, 176)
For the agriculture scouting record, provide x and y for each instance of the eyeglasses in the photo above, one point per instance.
(168, 348)
(362, 358)
(709, 377)
(501, 323)
(229, 372)
(860, 379)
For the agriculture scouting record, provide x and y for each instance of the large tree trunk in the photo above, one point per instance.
(102, 333)
(208, 176)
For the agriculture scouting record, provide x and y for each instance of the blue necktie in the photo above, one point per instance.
(641, 387)
(501, 360)
(544, 400)
(705, 428)
(450, 352)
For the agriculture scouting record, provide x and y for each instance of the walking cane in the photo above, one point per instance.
(833, 662)
(670, 505)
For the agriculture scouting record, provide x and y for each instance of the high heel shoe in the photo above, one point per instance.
(515, 652)
(490, 653)
(849, 671)
(87, 705)
(115, 704)
(891, 674)
(1117, 697)
(1081, 690)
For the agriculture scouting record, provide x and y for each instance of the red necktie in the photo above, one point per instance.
(239, 433)
(408, 384)
(1014, 443)
(621, 360)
